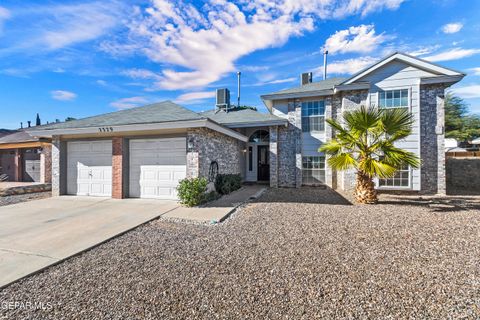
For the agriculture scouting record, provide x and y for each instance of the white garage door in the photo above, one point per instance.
(156, 166)
(89, 168)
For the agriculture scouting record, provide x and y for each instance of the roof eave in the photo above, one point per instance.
(353, 86)
(441, 79)
(48, 133)
(294, 95)
(415, 61)
(256, 124)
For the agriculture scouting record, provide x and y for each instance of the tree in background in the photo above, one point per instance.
(459, 124)
(38, 122)
(70, 118)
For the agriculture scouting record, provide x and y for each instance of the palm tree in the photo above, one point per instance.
(366, 143)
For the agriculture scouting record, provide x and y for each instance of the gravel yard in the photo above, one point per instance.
(6, 200)
(291, 254)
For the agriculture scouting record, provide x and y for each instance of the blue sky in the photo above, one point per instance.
(82, 58)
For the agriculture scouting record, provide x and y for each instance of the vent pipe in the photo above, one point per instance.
(239, 74)
(325, 53)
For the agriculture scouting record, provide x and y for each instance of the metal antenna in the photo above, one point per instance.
(239, 74)
(325, 53)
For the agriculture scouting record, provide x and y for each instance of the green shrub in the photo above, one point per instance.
(226, 183)
(191, 192)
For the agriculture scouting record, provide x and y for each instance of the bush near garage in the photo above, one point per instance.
(192, 192)
(227, 183)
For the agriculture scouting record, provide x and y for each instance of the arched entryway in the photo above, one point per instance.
(258, 156)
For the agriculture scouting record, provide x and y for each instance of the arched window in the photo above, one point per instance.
(260, 136)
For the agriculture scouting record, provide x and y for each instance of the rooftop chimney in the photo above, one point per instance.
(21, 125)
(306, 78)
(325, 53)
(29, 123)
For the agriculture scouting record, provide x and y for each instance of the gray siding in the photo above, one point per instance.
(398, 75)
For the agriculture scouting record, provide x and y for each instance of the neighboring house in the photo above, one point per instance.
(24, 158)
(451, 145)
(145, 151)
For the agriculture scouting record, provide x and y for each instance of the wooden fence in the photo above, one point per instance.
(463, 154)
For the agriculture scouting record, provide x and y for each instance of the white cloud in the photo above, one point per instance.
(206, 44)
(63, 95)
(102, 83)
(421, 51)
(193, 97)
(141, 74)
(126, 103)
(282, 80)
(49, 27)
(452, 27)
(468, 92)
(355, 39)
(70, 24)
(4, 15)
(452, 54)
(253, 68)
(476, 71)
(348, 66)
(276, 81)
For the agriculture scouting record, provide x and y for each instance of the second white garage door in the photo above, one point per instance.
(156, 166)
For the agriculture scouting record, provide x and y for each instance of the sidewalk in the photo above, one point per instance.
(217, 210)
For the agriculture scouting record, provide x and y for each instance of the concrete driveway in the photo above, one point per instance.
(36, 234)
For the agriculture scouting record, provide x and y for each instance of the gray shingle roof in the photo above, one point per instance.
(241, 117)
(165, 111)
(16, 137)
(323, 85)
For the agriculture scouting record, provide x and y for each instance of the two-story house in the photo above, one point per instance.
(397, 81)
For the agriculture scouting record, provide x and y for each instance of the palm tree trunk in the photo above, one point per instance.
(365, 189)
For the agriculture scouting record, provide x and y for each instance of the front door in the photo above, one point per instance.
(263, 164)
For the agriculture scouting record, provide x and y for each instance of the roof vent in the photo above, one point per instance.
(306, 78)
(223, 99)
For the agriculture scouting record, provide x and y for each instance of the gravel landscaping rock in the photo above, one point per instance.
(291, 254)
(7, 200)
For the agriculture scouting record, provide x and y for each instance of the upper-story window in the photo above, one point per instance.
(393, 99)
(313, 116)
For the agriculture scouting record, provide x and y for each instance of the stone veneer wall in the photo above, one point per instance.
(205, 145)
(273, 147)
(46, 164)
(432, 151)
(289, 148)
(462, 174)
(59, 166)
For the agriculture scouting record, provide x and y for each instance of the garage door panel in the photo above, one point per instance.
(156, 166)
(89, 168)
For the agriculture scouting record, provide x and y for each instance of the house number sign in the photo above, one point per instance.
(105, 129)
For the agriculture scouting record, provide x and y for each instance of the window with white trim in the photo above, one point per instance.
(393, 99)
(313, 170)
(313, 116)
(400, 180)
